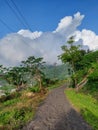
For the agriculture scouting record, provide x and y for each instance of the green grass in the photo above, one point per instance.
(87, 105)
(16, 112)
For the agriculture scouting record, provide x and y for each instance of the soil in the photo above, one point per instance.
(56, 113)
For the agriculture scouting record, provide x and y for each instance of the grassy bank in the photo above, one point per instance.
(86, 105)
(18, 109)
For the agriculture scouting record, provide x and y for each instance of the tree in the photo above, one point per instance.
(3, 71)
(15, 76)
(72, 54)
(34, 68)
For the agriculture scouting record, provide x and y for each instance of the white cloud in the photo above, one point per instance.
(17, 46)
(13, 49)
(69, 24)
(29, 34)
(88, 37)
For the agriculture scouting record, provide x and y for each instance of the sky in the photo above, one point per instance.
(41, 27)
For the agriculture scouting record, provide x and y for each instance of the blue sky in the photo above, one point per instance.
(51, 23)
(44, 15)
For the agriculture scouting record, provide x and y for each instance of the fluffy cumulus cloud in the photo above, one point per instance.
(69, 24)
(29, 34)
(88, 37)
(16, 47)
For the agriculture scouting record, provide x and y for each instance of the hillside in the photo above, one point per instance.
(59, 72)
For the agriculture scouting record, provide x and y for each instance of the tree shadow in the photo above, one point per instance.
(71, 121)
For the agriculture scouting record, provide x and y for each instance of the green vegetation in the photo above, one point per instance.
(7, 88)
(57, 84)
(31, 72)
(18, 101)
(17, 109)
(25, 86)
(88, 66)
(93, 78)
(59, 72)
(87, 105)
(20, 109)
(72, 54)
(34, 89)
(84, 80)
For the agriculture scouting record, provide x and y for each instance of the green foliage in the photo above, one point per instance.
(88, 59)
(15, 76)
(72, 54)
(79, 75)
(4, 117)
(7, 88)
(56, 84)
(87, 105)
(92, 83)
(15, 118)
(16, 112)
(10, 102)
(34, 89)
(2, 71)
(21, 75)
(34, 68)
(19, 114)
(93, 77)
(32, 65)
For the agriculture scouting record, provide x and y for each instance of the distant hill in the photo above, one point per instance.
(56, 72)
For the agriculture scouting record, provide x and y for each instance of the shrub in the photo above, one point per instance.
(34, 89)
(16, 118)
(93, 81)
(4, 117)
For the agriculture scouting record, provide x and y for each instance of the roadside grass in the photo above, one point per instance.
(17, 109)
(16, 112)
(86, 105)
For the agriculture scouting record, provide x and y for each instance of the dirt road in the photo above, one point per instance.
(56, 113)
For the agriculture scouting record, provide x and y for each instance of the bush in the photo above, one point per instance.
(20, 113)
(88, 59)
(8, 88)
(34, 89)
(15, 118)
(93, 81)
(4, 117)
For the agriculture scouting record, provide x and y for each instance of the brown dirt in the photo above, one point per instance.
(56, 113)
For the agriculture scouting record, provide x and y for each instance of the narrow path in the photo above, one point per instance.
(56, 113)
